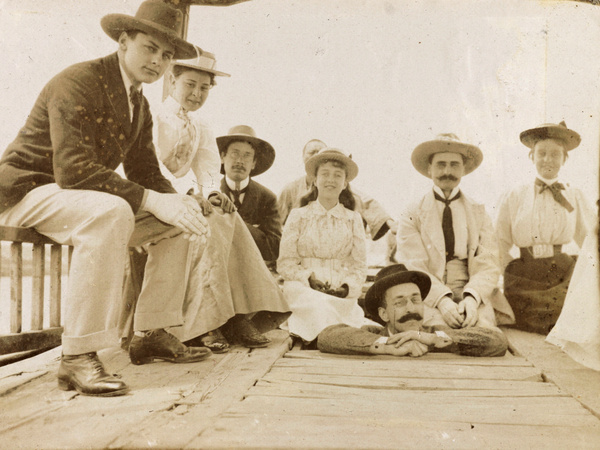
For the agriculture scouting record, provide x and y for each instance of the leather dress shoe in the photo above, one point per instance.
(85, 373)
(245, 333)
(158, 344)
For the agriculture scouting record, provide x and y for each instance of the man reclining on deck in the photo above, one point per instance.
(411, 328)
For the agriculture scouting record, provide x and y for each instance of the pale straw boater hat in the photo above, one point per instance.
(331, 154)
(264, 152)
(551, 131)
(445, 143)
(204, 62)
(152, 17)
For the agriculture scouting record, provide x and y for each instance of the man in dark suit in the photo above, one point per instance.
(243, 156)
(58, 176)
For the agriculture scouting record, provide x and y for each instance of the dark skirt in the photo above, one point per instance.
(536, 290)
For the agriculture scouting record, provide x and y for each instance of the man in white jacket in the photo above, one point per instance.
(450, 237)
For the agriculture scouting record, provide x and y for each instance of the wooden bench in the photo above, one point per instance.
(38, 337)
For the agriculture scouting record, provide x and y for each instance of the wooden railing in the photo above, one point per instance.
(38, 337)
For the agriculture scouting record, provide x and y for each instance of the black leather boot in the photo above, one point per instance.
(85, 373)
(158, 344)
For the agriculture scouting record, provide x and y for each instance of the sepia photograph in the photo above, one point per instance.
(299, 224)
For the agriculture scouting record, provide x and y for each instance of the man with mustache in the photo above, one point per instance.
(410, 327)
(450, 237)
(243, 156)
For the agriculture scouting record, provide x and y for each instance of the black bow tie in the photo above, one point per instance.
(555, 189)
(236, 196)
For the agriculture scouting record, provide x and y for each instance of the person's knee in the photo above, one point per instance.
(113, 215)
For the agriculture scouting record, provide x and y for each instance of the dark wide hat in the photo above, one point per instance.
(154, 17)
(445, 143)
(551, 131)
(264, 152)
(391, 276)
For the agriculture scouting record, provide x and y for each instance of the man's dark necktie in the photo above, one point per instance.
(236, 196)
(447, 226)
(555, 189)
(136, 100)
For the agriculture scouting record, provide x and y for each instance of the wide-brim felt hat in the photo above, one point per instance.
(153, 17)
(204, 62)
(446, 143)
(551, 131)
(331, 154)
(392, 276)
(264, 152)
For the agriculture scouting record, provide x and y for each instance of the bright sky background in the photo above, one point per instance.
(373, 77)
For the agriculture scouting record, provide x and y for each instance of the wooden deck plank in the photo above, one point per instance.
(193, 414)
(567, 412)
(288, 431)
(383, 360)
(579, 381)
(298, 389)
(413, 371)
(398, 383)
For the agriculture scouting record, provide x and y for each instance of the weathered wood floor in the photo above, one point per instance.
(275, 398)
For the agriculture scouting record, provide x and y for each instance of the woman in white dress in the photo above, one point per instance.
(577, 331)
(229, 286)
(539, 218)
(322, 256)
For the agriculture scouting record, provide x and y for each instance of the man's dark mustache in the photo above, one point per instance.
(410, 316)
(448, 177)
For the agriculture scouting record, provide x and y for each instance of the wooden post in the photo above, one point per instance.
(16, 287)
(55, 284)
(37, 291)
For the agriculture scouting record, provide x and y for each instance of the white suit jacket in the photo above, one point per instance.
(421, 247)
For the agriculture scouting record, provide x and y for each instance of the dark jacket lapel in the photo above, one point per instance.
(119, 99)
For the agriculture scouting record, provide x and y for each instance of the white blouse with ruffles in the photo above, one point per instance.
(527, 217)
(194, 166)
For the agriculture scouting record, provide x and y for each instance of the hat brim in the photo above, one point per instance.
(199, 69)
(263, 151)
(115, 24)
(422, 154)
(376, 292)
(530, 137)
(328, 155)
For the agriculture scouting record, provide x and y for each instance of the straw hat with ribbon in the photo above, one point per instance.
(331, 154)
(445, 143)
(551, 131)
(204, 62)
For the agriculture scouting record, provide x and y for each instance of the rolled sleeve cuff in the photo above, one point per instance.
(474, 294)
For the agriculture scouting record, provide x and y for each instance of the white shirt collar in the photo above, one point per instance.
(337, 211)
(547, 181)
(126, 81)
(231, 183)
(453, 194)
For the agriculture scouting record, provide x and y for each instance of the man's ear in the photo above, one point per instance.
(383, 314)
(123, 40)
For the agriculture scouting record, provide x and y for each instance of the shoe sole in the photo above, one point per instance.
(66, 386)
(151, 359)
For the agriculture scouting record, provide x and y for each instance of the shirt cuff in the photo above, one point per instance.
(144, 198)
(473, 294)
